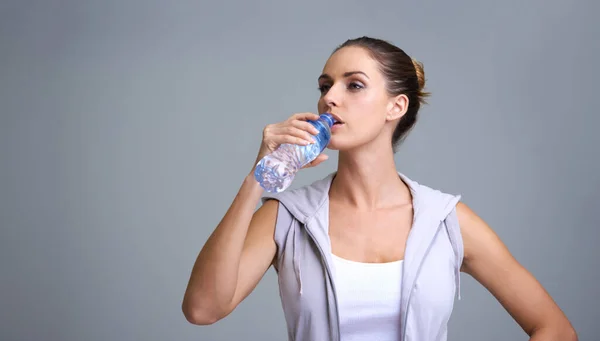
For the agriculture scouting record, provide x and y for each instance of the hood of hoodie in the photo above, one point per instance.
(304, 202)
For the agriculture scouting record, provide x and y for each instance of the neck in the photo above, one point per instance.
(367, 179)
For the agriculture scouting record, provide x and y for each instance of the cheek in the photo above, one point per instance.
(370, 101)
(370, 113)
(368, 110)
(321, 105)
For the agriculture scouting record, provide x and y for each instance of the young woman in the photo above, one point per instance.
(365, 253)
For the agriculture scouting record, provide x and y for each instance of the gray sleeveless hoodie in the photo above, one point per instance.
(431, 272)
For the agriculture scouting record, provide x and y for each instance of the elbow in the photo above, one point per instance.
(199, 318)
(562, 333)
(570, 334)
(567, 333)
(199, 315)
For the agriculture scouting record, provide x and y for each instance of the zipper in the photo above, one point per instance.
(329, 273)
(415, 282)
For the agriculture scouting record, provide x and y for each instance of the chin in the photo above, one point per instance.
(334, 143)
(353, 142)
(340, 144)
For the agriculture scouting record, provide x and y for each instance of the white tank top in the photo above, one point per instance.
(368, 297)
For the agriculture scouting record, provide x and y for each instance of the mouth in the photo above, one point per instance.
(337, 125)
(338, 120)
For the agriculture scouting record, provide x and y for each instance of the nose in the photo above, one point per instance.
(331, 98)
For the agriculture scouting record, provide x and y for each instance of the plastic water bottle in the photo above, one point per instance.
(276, 171)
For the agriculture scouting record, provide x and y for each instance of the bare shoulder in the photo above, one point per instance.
(262, 229)
(488, 260)
(483, 247)
(260, 235)
(267, 212)
(474, 230)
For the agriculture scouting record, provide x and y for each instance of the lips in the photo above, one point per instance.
(338, 120)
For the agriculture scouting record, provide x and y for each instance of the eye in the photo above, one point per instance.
(355, 86)
(323, 88)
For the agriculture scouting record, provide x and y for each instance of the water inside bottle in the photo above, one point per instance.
(276, 171)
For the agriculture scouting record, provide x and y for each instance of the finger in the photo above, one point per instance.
(297, 132)
(321, 158)
(305, 126)
(305, 116)
(282, 139)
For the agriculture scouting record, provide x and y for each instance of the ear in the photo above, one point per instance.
(397, 107)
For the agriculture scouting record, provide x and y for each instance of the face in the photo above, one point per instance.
(353, 90)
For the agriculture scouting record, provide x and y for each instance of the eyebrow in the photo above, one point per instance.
(347, 74)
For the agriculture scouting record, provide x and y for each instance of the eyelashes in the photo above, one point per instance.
(352, 86)
(323, 88)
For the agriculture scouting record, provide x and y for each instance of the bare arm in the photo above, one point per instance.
(488, 260)
(241, 248)
(234, 258)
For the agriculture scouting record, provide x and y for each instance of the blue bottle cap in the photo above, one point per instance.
(328, 118)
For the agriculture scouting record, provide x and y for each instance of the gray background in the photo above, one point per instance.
(127, 126)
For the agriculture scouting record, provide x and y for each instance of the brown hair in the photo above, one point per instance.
(404, 75)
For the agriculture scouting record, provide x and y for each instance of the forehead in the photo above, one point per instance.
(350, 58)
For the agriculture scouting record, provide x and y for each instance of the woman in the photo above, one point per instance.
(365, 253)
